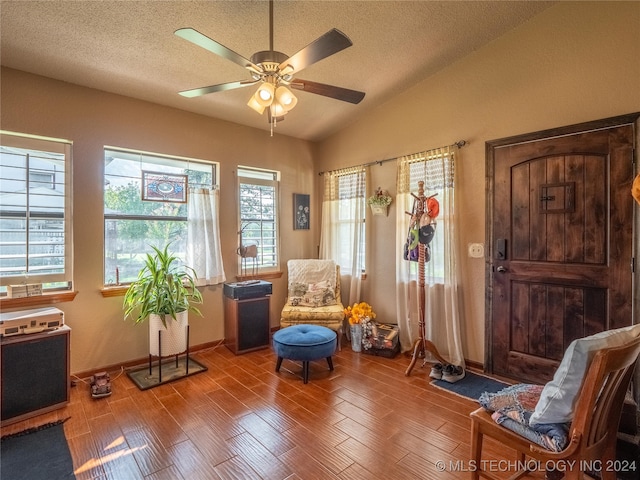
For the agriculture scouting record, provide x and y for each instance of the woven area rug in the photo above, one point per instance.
(39, 453)
(471, 386)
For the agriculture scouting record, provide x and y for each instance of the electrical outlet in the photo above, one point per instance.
(476, 250)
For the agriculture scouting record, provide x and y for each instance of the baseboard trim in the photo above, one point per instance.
(133, 363)
(474, 365)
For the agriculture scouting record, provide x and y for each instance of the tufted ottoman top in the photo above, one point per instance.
(304, 342)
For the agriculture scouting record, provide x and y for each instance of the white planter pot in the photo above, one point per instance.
(174, 336)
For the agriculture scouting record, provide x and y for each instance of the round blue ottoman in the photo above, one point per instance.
(305, 343)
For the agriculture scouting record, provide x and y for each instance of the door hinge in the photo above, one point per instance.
(633, 264)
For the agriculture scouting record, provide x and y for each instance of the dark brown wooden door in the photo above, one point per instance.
(560, 264)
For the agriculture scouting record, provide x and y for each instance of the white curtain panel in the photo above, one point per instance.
(204, 253)
(442, 307)
(342, 232)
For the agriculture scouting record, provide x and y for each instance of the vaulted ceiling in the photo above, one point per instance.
(129, 48)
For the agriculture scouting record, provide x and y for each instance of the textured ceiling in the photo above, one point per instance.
(129, 48)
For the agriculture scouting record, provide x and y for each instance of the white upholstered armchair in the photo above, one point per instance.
(313, 295)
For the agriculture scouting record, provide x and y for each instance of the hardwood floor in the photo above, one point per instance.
(242, 420)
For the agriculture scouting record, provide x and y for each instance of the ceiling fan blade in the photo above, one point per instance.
(205, 42)
(196, 92)
(339, 93)
(331, 42)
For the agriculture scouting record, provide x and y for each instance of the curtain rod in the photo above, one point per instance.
(459, 144)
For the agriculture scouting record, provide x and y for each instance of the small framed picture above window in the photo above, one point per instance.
(164, 187)
(300, 211)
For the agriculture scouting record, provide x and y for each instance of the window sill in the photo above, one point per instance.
(118, 291)
(45, 299)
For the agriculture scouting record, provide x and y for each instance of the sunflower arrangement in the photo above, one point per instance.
(358, 312)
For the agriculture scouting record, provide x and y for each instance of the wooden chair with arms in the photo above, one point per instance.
(593, 431)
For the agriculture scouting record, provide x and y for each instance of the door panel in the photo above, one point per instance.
(561, 208)
(558, 216)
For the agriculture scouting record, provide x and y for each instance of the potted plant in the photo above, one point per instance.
(379, 202)
(164, 292)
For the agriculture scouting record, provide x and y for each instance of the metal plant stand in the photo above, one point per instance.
(160, 357)
(153, 375)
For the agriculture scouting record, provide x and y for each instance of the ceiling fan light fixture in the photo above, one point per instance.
(253, 103)
(285, 98)
(278, 110)
(265, 93)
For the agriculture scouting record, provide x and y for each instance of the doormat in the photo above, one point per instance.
(471, 386)
(39, 453)
(170, 372)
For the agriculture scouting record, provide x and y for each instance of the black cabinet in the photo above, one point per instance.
(246, 324)
(35, 374)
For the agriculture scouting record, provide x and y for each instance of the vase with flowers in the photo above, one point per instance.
(358, 315)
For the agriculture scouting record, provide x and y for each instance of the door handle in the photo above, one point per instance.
(501, 269)
(501, 249)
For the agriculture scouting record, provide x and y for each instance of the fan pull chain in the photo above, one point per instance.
(273, 122)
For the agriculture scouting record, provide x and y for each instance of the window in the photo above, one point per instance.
(437, 172)
(35, 204)
(343, 220)
(145, 203)
(258, 198)
(350, 222)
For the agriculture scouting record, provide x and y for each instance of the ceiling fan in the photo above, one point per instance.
(274, 71)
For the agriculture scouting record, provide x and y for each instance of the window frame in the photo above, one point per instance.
(156, 159)
(351, 197)
(51, 281)
(436, 265)
(260, 180)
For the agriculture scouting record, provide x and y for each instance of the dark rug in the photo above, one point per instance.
(170, 372)
(39, 453)
(471, 386)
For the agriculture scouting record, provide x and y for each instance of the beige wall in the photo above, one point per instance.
(93, 119)
(575, 62)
